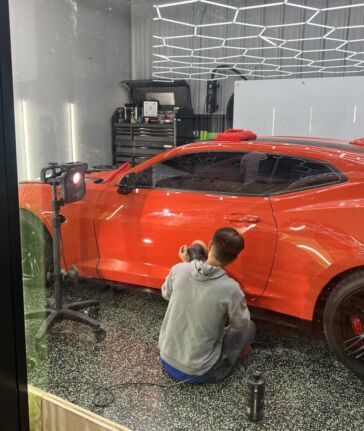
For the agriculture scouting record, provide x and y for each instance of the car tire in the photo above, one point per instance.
(36, 251)
(344, 321)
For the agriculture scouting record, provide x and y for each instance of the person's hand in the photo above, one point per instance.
(183, 254)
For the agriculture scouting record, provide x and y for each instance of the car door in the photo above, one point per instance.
(120, 237)
(188, 197)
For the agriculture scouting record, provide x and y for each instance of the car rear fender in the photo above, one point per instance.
(328, 288)
(298, 294)
(329, 278)
(344, 265)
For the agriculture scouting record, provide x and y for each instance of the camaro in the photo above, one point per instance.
(298, 203)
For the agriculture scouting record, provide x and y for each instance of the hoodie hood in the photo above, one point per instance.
(202, 271)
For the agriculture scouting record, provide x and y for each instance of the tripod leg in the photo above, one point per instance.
(38, 314)
(80, 317)
(48, 323)
(83, 304)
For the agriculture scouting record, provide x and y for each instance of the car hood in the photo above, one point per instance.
(107, 176)
(96, 176)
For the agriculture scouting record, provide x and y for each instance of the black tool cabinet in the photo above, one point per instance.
(137, 142)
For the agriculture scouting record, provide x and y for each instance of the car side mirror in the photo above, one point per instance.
(127, 184)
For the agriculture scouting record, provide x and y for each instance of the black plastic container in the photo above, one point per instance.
(255, 396)
(196, 251)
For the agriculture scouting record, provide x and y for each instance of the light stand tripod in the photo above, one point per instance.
(63, 311)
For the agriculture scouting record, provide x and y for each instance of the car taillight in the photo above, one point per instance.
(357, 325)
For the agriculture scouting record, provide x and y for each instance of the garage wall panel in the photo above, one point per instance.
(68, 60)
(320, 107)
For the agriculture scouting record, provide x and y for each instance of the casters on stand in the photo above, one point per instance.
(51, 302)
(93, 312)
(100, 334)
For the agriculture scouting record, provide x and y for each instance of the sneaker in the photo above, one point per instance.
(246, 350)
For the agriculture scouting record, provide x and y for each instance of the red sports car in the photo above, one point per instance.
(299, 203)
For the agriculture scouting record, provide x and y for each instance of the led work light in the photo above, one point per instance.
(73, 187)
(70, 177)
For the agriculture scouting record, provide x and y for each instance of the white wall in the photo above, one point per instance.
(318, 107)
(67, 52)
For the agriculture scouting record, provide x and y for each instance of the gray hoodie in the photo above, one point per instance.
(200, 297)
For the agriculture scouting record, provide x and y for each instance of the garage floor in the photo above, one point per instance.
(306, 389)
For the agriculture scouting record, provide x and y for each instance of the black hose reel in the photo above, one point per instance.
(211, 94)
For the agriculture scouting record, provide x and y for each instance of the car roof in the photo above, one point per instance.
(297, 145)
(314, 142)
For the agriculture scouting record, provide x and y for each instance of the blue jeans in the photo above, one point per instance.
(234, 341)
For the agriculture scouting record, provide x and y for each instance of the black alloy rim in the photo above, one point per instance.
(351, 312)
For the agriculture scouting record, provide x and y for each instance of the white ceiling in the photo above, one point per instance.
(266, 39)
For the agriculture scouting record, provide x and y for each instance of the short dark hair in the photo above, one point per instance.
(227, 244)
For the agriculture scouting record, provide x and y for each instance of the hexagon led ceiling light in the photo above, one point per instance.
(264, 40)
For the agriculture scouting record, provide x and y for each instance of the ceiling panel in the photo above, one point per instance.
(291, 37)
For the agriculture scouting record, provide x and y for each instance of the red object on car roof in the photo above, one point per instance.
(359, 142)
(236, 135)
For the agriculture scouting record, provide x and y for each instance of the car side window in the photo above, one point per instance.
(295, 173)
(245, 173)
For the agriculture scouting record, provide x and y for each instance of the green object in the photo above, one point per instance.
(35, 412)
(204, 135)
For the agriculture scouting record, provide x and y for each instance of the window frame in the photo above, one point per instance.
(341, 176)
(13, 387)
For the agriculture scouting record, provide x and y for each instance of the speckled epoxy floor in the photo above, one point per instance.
(306, 389)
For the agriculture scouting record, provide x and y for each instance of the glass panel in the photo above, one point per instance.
(69, 58)
(294, 174)
(235, 173)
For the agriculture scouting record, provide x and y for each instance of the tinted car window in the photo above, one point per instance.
(293, 173)
(222, 172)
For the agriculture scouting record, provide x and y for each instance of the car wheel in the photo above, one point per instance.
(344, 322)
(36, 250)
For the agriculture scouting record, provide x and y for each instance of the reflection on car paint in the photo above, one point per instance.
(115, 212)
(298, 227)
(315, 253)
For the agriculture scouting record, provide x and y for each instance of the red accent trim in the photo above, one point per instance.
(359, 142)
(120, 170)
(235, 135)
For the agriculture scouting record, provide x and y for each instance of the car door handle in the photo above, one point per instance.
(243, 218)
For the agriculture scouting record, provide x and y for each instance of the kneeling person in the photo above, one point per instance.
(195, 343)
